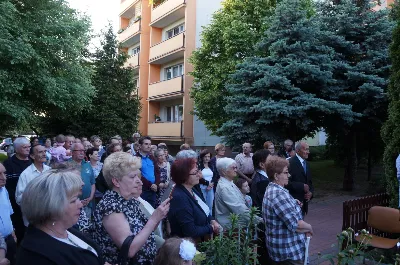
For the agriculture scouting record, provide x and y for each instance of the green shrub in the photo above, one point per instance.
(3, 157)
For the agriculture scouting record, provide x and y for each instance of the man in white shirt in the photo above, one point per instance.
(244, 163)
(38, 155)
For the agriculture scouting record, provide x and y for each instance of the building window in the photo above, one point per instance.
(175, 31)
(136, 82)
(174, 113)
(174, 71)
(134, 51)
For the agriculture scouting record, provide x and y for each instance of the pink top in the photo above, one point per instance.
(59, 154)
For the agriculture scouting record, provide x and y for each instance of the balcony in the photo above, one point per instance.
(168, 50)
(130, 35)
(133, 61)
(172, 88)
(167, 12)
(165, 129)
(127, 8)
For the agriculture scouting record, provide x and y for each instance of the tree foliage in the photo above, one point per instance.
(365, 36)
(42, 69)
(391, 128)
(286, 90)
(115, 108)
(226, 41)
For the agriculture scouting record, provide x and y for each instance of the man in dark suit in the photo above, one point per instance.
(300, 184)
(287, 148)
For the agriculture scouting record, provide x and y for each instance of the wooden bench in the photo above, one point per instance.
(355, 213)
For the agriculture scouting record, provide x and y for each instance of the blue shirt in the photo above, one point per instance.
(88, 179)
(148, 169)
(6, 210)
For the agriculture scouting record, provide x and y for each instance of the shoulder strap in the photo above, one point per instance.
(124, 251)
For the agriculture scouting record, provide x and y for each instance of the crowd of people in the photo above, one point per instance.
(74, 201)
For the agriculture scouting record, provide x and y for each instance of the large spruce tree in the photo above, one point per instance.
(285, 91)
(391, 128)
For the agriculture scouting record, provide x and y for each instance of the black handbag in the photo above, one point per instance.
(124, 251)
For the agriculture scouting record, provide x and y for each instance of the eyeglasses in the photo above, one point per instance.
(195, 173)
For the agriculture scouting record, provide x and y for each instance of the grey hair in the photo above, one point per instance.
(298, 145)
(46, 197)
(186, 154)
(246, 143)
(159, 150)
(74, 145)
(20, 141)
(119, 164)
(223, 164)
(288, 142)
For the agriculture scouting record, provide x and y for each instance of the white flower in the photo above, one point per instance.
(187, 250)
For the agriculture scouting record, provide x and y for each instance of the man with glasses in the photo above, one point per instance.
(78, 162)
(14, 166)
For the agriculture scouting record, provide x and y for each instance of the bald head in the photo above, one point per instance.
(246, 148)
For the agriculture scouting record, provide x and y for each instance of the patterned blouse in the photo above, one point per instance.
(113, 202)
(164, 178)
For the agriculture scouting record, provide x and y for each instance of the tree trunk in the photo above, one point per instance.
(351, 167)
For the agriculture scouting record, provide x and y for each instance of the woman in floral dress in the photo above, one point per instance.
(164, 174)
(118, 214)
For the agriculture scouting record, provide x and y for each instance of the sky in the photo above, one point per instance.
(101, 13)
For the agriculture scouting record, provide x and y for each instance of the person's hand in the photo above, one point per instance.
(211, 184)
(161, 211)
(4, 262)
(308, 196)
(299, 203)
(306, 188)
(208, 188)
(153, 187)
(216, 226)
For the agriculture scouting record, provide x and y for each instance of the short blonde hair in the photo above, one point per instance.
(119, 164)
(219, 146)
(46, 197)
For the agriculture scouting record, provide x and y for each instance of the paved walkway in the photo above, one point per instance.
(325, 216)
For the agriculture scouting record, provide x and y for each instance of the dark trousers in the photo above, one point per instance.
(17, 221)
(289, 262)
(11, 249)
(150, 197)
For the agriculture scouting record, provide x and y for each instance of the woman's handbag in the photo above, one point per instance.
(124, 251)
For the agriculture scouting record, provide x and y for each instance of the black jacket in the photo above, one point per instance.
(259, 184)
(186, 217)
(297, 180)
(39, 248)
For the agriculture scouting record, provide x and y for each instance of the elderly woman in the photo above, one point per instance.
(118, 215)
(165, 174)
(284, 225)
(51, 205)
(228, 197)
(189, 215)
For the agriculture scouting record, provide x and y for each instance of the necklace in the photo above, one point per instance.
(56, 233)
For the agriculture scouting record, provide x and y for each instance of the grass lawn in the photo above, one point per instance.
(328, 180)
(3, 157)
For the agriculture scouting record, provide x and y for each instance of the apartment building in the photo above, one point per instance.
(160, 39)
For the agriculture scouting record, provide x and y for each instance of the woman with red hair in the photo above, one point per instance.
(189, 215)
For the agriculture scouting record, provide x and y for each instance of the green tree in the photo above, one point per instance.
(42, 50)
(285, 90)
(115, 108)
(391, 128)
(226, 41)
(361, 81)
